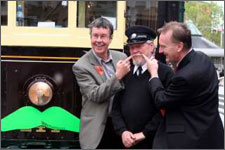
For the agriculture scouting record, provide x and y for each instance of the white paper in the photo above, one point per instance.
(112, 20)
(46, 24)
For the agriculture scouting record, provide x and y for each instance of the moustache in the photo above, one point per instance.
(136, 55)
(29, 117)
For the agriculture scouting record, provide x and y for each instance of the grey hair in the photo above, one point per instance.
(101, 23)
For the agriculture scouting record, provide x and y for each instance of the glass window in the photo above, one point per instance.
(42, 13)
(90, 10)
(142, 12)
(4, 12)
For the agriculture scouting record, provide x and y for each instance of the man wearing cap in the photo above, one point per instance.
(134, 115)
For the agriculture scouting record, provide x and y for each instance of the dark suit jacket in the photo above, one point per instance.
(192, 119)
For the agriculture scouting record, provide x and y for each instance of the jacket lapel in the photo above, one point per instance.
(96, 66)
(186, 60)
(115, 59)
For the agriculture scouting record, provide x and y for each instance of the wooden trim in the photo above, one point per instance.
(40, 57)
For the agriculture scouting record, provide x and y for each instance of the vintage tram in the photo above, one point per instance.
(40, 41)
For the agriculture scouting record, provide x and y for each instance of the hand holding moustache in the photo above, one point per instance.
(152, 65)
(122, 67)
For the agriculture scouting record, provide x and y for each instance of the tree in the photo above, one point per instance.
(207, 16)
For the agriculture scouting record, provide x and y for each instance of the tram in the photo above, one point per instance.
(40, 41)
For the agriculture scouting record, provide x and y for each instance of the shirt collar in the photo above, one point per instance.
(144, 68)
(183, 57)
(100, 60)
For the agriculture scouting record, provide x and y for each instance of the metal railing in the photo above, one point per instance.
(221, 81)
(221, 102)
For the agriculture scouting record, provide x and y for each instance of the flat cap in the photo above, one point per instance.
(139, 34)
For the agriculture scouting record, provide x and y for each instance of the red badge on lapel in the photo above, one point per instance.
(99, 70)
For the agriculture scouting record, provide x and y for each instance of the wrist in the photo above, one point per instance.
(142, 136)
(154, 74)
(122, 133)
(118, 76)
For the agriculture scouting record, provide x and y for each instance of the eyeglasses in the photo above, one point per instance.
(101, 36)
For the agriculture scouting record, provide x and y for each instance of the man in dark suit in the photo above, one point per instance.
(135, 118)
(99, 73)
(191, 100)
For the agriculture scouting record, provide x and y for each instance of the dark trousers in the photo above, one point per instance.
(109, 139)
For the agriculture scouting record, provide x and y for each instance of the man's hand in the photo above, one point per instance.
(128, 139)
(152, 65)
(122, 67)
(139, 137)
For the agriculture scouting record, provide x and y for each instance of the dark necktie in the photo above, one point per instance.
(139, 70)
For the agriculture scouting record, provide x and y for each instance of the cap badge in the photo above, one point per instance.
(134, 35)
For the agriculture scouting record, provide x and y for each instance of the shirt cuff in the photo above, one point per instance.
(152, 78)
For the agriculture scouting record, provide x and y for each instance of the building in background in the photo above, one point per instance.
(200, 43)
(41, 40)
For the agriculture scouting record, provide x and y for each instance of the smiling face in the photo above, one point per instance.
(100, 40)
(138, 49)
(169, 48)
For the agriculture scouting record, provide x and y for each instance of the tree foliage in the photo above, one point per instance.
(207, 16)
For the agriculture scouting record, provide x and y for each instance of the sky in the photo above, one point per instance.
(220, 3)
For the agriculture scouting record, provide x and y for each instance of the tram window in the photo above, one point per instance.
(42, 13)
(4, 12)
(142, 12)
(87, 11)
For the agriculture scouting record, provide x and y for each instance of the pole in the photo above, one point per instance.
(221, 39)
